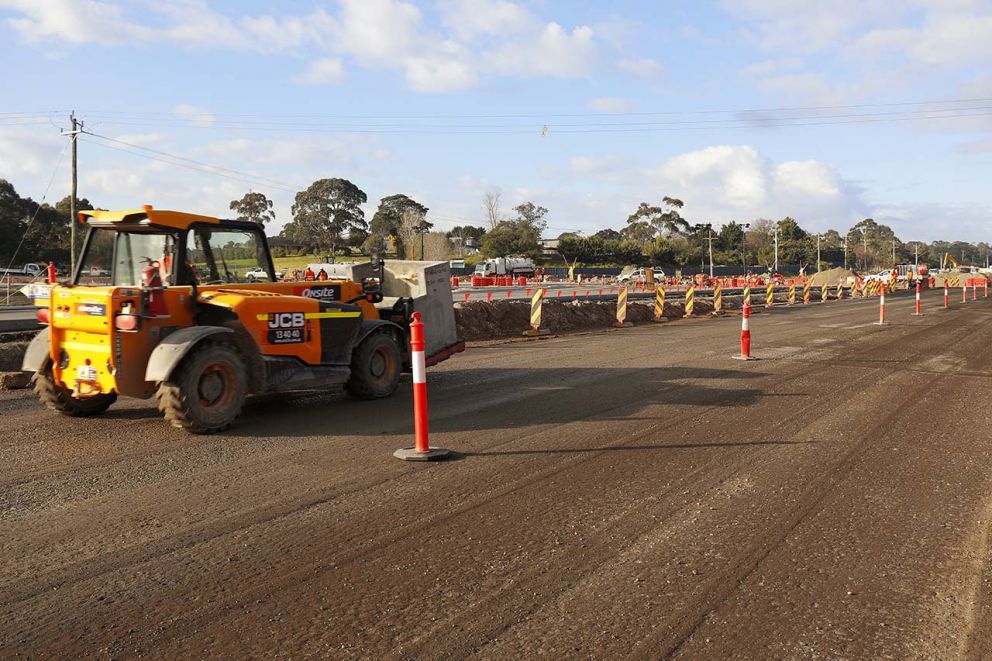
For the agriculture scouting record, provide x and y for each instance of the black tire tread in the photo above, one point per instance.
(58, 398)
(359, 386)
(175, 404)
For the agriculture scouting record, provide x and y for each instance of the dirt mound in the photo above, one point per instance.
(832, 278)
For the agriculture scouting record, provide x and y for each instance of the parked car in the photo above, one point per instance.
(638, 276)
(258, 273)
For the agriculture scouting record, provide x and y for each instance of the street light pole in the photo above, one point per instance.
(817, 253)
(845, 252)
(776, 250)
(710, 240)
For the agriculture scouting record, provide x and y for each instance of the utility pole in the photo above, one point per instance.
(77, 128)
(776, 250)
(710, 240)
(864, 236)
(845, 252)
(817, 253)
(917, 256)
(893, 253)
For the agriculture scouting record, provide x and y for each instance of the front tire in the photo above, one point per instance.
(205, 393)
(57, 397)
(375, 367)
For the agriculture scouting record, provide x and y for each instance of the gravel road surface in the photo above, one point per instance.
(632, 493)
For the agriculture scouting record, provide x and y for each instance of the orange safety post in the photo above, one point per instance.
(421, 451)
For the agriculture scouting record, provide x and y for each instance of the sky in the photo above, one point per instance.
(829, 112)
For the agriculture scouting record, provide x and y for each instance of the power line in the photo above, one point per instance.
(324, 116)
(191, 164)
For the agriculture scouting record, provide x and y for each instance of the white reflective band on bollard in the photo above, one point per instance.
(419, 368)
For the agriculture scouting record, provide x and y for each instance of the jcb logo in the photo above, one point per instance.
(286, 320)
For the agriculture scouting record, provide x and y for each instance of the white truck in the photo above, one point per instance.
(31, 270)
(502, 266)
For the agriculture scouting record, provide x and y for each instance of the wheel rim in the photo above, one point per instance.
(215, 386)
(381, 364)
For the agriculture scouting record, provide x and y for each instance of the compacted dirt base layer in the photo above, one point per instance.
(631, 494)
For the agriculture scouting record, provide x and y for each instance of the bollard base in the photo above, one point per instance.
(659, 320)
(412, 454)
(625, 324)
(743, 357)
(536, 332)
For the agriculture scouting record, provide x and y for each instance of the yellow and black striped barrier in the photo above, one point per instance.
(717, 299)
(792, 294)
(769, 295)
(690, 294)
(659, 303)
(824, 293)
(536, 307)
(840, 291)
(806, 287)
(747, 295)
(622, 308)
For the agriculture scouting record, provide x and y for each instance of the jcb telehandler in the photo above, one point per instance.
(161, 304)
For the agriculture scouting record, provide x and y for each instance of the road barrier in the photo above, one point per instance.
(792, 294)
(964, 292)
(421, 451)
(840, 291)
(917, 312)
(659, 303)
(690, 294)
(536, 309)
(769, 295)
(946, 300)
(824, 293)
(717, 299)
(622, 308)
(974, 290)
(806, 292)
(881, 308)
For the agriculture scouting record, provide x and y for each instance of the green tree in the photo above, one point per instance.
(388, 222)
(731, 237)
(512, 237)
(665, 220)
(254, 208)
(326, 212)
(608, 234)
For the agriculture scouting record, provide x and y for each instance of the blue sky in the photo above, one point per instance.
(829, 112)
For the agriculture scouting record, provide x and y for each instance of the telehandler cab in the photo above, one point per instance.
(161, 304)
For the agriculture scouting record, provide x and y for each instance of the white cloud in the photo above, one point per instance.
(553, 52)
(30, 155)
(943, 39)
(474, 39)
(469, 18)
(198, 116)
(727, 182)
(610, 104)
(325, 71)
(73, 21)
(644, 68)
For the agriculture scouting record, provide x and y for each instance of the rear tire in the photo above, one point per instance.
(206, 391)
(59, 398)
(375, 367)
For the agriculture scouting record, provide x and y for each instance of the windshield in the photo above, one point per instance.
(227, 255)
(118, 258)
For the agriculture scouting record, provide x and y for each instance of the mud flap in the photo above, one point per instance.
(38, 351)
(173, 347)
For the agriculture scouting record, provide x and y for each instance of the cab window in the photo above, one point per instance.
(121, 258)
(220, 256)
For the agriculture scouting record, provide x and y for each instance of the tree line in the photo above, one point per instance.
(328, 218)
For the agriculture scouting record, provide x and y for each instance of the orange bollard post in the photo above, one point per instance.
(745, 332)
(918, 313)
(947, 302)
(881, 308)
(421, 451)
(51, 274)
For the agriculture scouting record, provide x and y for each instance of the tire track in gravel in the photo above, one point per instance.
(270, 590)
